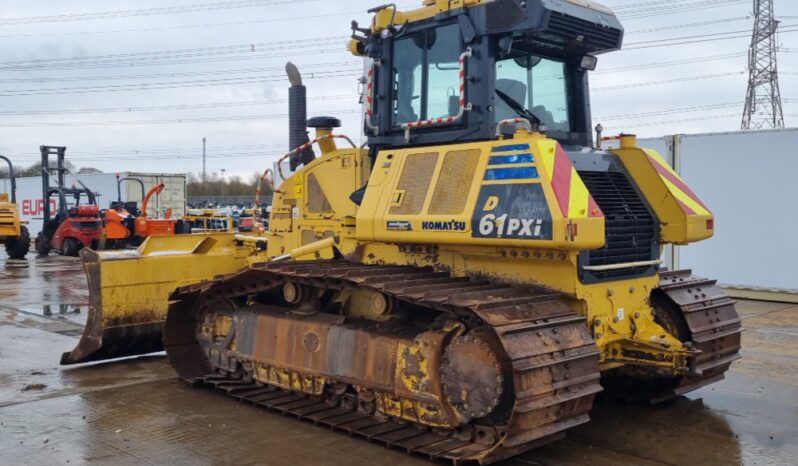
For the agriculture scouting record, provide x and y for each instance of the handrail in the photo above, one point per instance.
(308, 144)
(270, 173)
(370, 99)
(625, 265)
(464, 107)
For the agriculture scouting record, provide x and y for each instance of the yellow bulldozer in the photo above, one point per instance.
(13, 231)
(462, 286)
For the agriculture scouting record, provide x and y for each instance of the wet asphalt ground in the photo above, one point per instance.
(136, 412)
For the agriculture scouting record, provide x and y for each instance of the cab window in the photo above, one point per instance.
(426, 75)
(537, 83)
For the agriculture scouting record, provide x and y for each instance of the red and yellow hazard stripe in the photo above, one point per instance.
(572, 195)
(687, 199)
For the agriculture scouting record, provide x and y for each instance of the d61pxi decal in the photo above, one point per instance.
(513, 211)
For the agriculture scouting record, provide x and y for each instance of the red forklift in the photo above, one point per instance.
(76, 222)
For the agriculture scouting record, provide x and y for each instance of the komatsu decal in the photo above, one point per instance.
(452, 225)
(512, 211)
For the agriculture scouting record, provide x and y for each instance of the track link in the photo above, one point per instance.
(714, 326)
(705, 319)
(554, 360)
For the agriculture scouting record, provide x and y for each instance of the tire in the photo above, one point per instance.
(18, 248)
(70, 247)
(42, 246)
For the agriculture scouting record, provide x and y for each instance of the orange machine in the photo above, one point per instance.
(126, 223)
(146, 226)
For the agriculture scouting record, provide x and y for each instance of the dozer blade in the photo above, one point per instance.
(129, 290)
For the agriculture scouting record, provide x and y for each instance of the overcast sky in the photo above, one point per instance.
(131, 90)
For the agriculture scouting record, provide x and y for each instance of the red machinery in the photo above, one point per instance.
(69, 229)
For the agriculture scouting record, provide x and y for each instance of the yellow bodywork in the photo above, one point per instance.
(683, 216)
(166, 262)
(443, 187)
(10, 224)
(421, 207)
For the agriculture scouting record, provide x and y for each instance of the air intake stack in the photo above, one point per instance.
(297, 118)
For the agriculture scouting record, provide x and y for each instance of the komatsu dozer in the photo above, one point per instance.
(463, 286)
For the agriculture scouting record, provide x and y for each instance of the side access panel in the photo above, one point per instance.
(522, 192)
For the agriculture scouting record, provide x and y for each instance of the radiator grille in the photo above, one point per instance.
(630, 228)
(454, 184)
(594, 34)
(414, 182)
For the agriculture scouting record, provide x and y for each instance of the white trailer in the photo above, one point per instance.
(172, 198)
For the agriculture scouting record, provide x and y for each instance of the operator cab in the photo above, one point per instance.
(443, 75)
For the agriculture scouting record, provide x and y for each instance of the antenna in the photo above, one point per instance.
(763, 101)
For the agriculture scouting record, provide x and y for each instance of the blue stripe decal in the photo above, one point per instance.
(510, 159)
(511, 147)
(519, 173)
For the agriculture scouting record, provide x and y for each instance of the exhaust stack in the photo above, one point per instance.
(297, 118)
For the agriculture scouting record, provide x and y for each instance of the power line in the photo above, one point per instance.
(666, 81)
(670, 8)
(174, 84)
(312, 42)
(685, 26)
(175, 28)
(669, 122)
(186, 26)
(184, 56)
(695, 39)
(663, 64)
(339, 65)
(178, 9)
(157, 122)
(209, 105)
(672, 111)
(638, 10)
(172, 74)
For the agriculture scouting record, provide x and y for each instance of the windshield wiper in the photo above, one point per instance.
(519, 109)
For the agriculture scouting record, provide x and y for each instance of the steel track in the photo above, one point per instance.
(553, 358)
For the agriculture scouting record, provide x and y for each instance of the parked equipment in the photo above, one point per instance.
(71, 227)
(460, 288)
(209, 221)
(125, 223)
(13, 232)
(120, 217)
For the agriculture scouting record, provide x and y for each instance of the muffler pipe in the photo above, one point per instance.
(297, 118)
